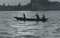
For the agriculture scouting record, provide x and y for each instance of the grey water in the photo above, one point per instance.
(45, 30)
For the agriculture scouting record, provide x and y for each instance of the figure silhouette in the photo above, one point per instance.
(37, 16)
(24, 16)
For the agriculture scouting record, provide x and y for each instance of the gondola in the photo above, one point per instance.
(43, 19)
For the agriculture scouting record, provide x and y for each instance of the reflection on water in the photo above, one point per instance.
(17, 28)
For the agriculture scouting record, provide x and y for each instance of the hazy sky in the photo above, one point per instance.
(54, 0)
(15, 2)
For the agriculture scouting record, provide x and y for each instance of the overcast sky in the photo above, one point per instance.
(15, 2)
(54, 0)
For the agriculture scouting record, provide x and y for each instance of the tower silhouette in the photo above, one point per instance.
(37, 4)
(41, 2)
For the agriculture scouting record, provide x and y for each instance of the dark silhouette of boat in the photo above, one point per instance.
(43, 19)
(30, 36)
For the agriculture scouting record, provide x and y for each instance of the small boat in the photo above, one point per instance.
(43, 19)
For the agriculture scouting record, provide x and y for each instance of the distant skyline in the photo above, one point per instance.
(22, 2)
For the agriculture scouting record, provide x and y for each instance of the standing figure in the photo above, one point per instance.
(24, 16)
(37, 17)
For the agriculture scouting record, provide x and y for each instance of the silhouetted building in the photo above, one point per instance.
(39, 2)
(3, 4)
(44, 5)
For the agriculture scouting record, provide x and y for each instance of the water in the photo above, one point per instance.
(45, 30)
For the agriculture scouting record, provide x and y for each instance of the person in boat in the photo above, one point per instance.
(37, 16)
(24, 16)
(43, 17)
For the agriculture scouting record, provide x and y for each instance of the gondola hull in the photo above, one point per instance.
(30, 19)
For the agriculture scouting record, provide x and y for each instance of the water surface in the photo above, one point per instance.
(48, 29)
